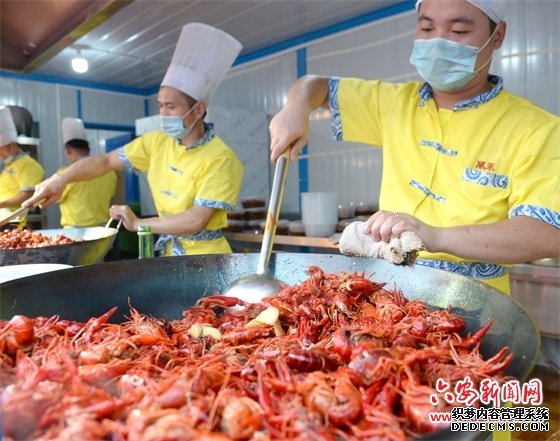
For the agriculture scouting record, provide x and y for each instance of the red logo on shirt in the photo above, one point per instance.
(483, 165)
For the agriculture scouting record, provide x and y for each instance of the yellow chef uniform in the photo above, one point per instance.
(207, 174)
(86, 203)
(491, 158)
(22, 173)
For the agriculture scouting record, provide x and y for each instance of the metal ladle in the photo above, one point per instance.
(253, 288)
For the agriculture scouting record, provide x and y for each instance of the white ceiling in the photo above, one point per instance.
(133, 47)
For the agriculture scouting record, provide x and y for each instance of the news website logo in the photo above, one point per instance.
(509, 406)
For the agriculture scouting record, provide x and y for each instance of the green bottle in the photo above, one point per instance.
(145, 242)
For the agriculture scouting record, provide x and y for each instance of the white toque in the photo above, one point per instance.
(8, 132)
(73, 128)
(203, 56)
(494, 9)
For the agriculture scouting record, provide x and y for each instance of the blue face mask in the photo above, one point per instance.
(173, 126)
(444, 64)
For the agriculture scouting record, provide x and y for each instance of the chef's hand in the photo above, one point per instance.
(130, 220)
(50, 190)
(385, 225)
(289, 127)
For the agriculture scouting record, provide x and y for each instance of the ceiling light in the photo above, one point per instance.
(79, 63)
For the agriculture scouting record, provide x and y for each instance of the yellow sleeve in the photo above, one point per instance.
(535, 189)
(136, 154)
(356, 102)
(368, 111)
(220, 182)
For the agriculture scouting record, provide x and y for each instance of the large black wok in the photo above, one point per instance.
(96, 242)
(164, 287)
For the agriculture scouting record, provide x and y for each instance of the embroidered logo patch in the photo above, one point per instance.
(483, 165)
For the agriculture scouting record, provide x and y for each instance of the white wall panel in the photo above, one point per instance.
(259, 85)
(244, 131)
(529, 59)
(111, 108)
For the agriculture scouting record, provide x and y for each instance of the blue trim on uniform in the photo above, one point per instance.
(438, 147)
(336, 120)
(209, 135)
(547, 215)
(426, 191)
(476, 270)
(425, 94)
(127, 164)
(219, 205)
(481, 177)
(177, 248)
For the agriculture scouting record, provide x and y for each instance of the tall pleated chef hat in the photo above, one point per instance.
(73, 128)
(8, 132)
(494, 9)
(201, 60)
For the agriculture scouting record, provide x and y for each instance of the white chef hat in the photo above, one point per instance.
(494, 9)
(8, 132)
(201, 60)
(73, 128)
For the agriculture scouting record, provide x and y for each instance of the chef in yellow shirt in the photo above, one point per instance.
(194, 177)
(468, 166)
(85, 203)
(19, 173)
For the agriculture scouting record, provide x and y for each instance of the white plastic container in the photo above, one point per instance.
(319, 212)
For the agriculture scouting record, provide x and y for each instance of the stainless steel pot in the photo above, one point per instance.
(96, 242)
(164, 287)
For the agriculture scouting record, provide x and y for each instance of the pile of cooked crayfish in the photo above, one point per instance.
(336, 357)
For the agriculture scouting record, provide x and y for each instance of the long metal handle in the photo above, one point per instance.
(274, 205)
(20, 211)
(110, 221)
(23, 211)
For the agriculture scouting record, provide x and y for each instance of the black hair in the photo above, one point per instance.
(493, 25)
(81, 144)
(191, 102)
